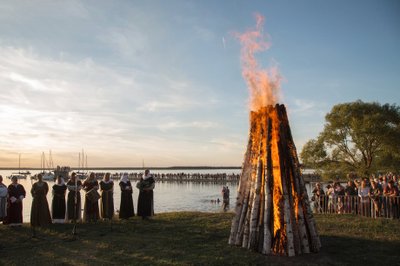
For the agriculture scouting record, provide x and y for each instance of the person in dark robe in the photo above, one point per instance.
(145, 199)
(74, 198)
(126, 209)
(107, 201)
(91, 209)
(58, 202)
(3, 200)
(40, 213)
(16, 193)
(225, 198)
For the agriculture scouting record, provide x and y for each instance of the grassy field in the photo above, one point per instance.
(191, 238)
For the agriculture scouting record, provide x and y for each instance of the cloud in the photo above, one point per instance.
(48, 103)
(193, 125)
(31, 83)
(301, 107)
(204, 34)
(123, 82)
(126, 42)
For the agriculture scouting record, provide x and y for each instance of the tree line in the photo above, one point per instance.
(359, 138)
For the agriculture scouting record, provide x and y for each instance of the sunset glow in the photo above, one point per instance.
(160, 83)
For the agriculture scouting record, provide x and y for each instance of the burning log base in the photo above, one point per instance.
(273, 215)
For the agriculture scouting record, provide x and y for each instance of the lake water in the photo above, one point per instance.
(168, 196)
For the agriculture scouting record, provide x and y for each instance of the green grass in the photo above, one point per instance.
(192, 238)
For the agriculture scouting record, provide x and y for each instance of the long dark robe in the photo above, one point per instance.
(3, 202)
(126, 209)
(74, 210)
(58, 202)
(145, 201)
(40, 213)
(107, 201)
(14, 210)
(91, 209)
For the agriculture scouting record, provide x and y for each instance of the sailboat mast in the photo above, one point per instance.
(51, 164)
(83, 160)
(43, 161)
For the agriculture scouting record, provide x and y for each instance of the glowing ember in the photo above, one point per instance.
(273, 214)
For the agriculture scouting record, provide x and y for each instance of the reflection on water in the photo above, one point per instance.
(168, 196)
(190, 196)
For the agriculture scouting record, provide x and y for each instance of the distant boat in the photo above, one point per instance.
(81, 175)
(19, 175)
(49, 176)
(46, 175)
(82, 163)
(62, 171)
(26, 172)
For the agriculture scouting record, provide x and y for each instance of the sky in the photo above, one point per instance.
(160, 83)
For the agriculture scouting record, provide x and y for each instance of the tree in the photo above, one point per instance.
(358, 137)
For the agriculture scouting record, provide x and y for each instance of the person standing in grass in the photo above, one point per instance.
(40, 214)
(350, 193)
(107, 201)
(58, 202)
(392, 192)
(331, 198)
(375, 194)
(91, 210)
(318, 198)
(74, 198)
(363, 194)
(16, 193)
(3, 200)
(126, 209)
(145, 199)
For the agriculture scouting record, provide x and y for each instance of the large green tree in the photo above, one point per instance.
(358, 137)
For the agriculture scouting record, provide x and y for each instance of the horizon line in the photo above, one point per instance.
(127, 168)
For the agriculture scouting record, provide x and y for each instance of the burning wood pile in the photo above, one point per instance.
(273, 215)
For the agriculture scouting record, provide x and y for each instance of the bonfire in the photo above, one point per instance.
(273, 215)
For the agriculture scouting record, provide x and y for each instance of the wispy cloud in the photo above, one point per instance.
(30, 83)
(193, 125)
(48, 103)
(301, 107)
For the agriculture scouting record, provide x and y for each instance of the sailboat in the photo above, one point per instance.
(19, 175)
(47, 175)
(81, 163)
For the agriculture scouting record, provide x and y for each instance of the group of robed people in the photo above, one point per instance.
(69, 209)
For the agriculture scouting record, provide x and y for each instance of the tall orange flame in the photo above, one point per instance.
(272, 212)
(263, 84)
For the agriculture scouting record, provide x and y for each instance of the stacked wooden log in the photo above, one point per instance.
(273, 215)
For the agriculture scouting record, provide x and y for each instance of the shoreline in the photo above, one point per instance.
(130, 168)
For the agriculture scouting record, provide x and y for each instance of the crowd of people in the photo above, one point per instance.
(372, 197)
(66, 200)
(183, 176)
